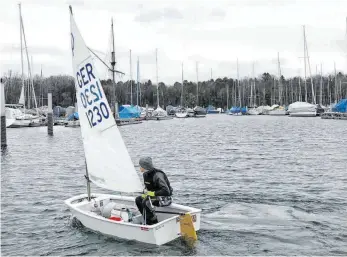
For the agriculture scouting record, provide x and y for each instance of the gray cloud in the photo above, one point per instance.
(219, 13)
(75, 2)
(262, 3)
(34, 50)
(190, 31)
(155, 15)
(198, 58)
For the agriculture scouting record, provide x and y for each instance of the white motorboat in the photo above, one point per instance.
(190, 112)
(253, 111)
(16, 119)
(10, 116)
(277, 110)
(302, 109)
(181, 113)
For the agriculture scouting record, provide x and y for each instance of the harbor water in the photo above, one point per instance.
(266, 186)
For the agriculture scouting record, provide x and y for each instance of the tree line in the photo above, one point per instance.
(266, 89)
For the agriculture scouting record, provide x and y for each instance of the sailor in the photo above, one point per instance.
(157, 191)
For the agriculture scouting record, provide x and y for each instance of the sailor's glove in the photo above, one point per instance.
(148, 193)
(151, 193)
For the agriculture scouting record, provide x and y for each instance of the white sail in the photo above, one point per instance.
(108, 161)
(21, 98)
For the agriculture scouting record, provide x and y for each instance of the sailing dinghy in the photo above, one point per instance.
(109, 166)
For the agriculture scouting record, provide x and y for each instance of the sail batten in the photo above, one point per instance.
(108, 161)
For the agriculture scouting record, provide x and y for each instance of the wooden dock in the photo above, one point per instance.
(123, 122)
(334, 115)
(158, 118)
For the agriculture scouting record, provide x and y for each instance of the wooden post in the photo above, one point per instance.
(146, 111)
(3, 115)
(116, 116)
(50, 115)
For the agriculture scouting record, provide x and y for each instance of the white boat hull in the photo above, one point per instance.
(19, 123)
(253, 112)
(161, 233)
(181, 114)
(303, 114)
(73, 124)
(277, 112)
(9, 122)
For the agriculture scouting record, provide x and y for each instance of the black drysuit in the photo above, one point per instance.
(155, 180)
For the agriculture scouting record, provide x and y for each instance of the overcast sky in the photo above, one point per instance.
(215, 33)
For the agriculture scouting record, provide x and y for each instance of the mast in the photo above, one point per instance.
(321, 86)
(315, 84)
(235, 93)
(335, 83)
(329, 93)
(251, 98)
(197, 84)
(305, 63)
(131, 82)
(21, 51)
(140, 92)
(254, 90)
(273, 95)
(41, 88)
(264, 95)
(29, 85)
(214, 85)
(113, 63)
(31, 79)
(29, 68)
(85, 160)
(32, 85)
(138, 81)
(279, 79)
(227, 96)
(182, 88)
(309, 69)
(156, 64)
(300, 94)
(238, 80)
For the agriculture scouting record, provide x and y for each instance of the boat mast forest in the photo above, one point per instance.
(236, 91)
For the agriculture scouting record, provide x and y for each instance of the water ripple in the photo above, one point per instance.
(266, 185)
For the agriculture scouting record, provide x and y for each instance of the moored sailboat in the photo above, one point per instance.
(24, 118)
(181, 112)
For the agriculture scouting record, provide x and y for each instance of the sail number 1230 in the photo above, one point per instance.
(99, 111)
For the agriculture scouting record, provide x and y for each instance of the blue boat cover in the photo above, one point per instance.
(340, 106)
(73, 116)
(128, 111)
(235, 109)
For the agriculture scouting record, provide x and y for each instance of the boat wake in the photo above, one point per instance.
(253, 217)
(246, 216)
